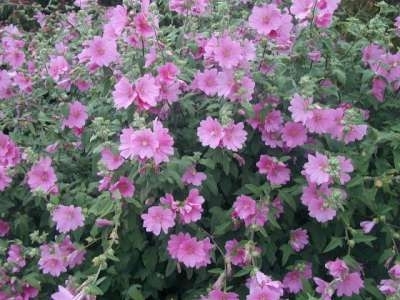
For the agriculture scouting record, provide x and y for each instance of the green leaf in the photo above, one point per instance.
(333, 244)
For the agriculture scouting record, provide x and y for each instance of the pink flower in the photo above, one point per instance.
(207, 81)
(42, 176)
(294, 134)
(298, 239)
(345, 166)
(244, 207)
(273, 121)
(77, 115)
(141, 143)
(321, 121)
(58, 66)
(191, 176)
(350, 285)
(317, 168)
(51, 263)
(276, 171)
(67, 218)
(378, 89)
(165, 142)
(143, 25)
(63, 293)
(262, 286)
(191, 209)
(228, 53)
(100, 51)
(4, 228)
(15, 257)
(314, 199)
(158, 218)
(103, 223)
(110, 160)
(337, 268)
(189, 251)
(237, 254)
(184, 7)
(302, 8)
(123, 94)
(324, 288)
(167, 73)
(394, 271)
(147, 91)
(388, 287)
(10, 155)
(234, 136)
(210, 132)
(123, 187)
(265, 19)
(293, 281)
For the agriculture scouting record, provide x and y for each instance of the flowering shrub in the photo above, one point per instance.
(201, 150)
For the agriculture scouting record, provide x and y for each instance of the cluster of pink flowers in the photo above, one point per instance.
(42, 177)
(190, 251)
(67, 218)
(55, 258)
(276, 172)
(246, 209)
(218, 295)
(144, 144)
(320, 169)
(269, 21)
(318, 11)
(386, 67)
(293, 280)
(211, 133)
(345, 282)
(13, 288)
(391, 287)
(189, 7)
(15, 257)
(162, 217)
(340, 123)
(262, 286)
(12, 46)
(10, 156)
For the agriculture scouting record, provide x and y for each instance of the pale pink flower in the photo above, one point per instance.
(265, 19)
(158, 218)
(324, 288)
(317, 168)
(300, 108)
(277, 172)
(77, 115)
(140, 143)
(164, 148)
(58, 66)
(378, 89)
(189, 251)
(262, 286)
(355, 133)
(185, 7)
(10, 155)
(210, 132)
(15, 257)
(298, 239)
(191, 176)
(234, 136)
(147, 91)
(228, 53)
(191, 209)
(321, 121)
(51, 261)
(67, 218)
(394, 271)
(244, 207)
(302, 8)
(167, 73)
(42, 176)
(367, 226)
(63, 293)
(144, 27)
(293, 281)
(345, 167)
(110, 160)
(123, 187)
(388, 287)
(349, 285)
(207, 81)
(294, 134)
(314, 198)
(273, 121)
(123, 94)
(100, 51)
(236, 253)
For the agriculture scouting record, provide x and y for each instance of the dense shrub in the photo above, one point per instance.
(201, 150)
